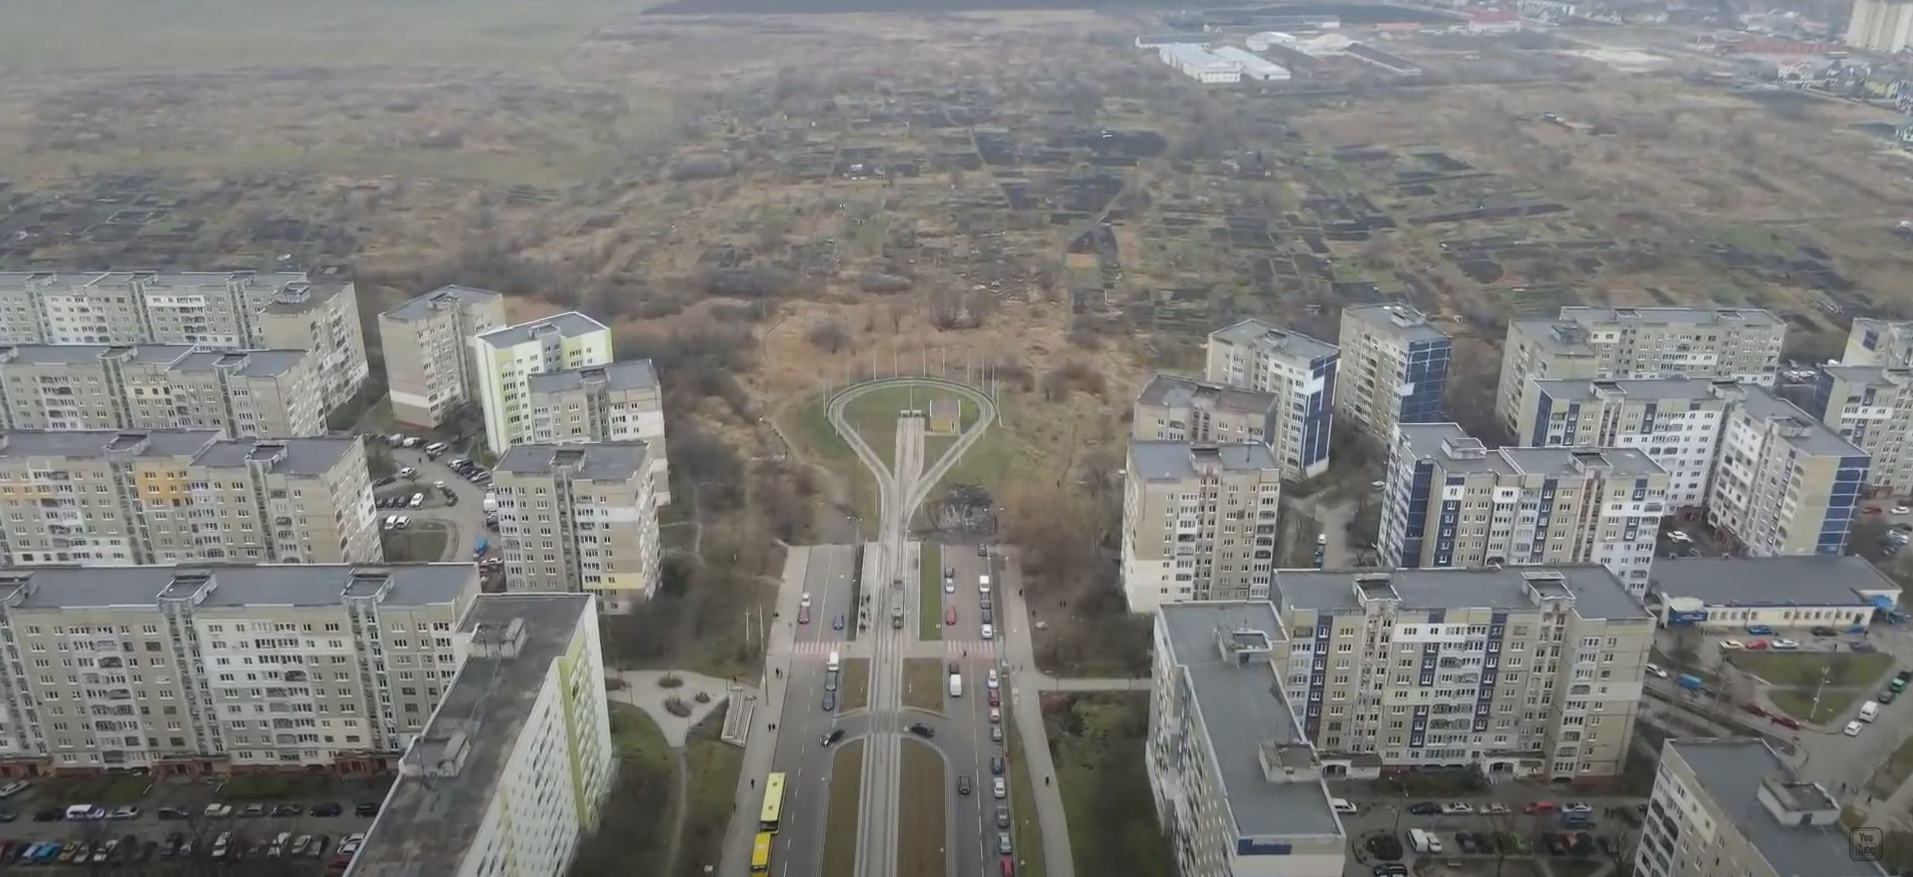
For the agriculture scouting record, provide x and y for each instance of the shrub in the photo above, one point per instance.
(670, 680)
(702, 697)
(677, 707)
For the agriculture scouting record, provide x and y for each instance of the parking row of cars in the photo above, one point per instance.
(128, 813)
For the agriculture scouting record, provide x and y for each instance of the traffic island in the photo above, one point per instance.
(923, 682)
(846, 790)
(921, 826)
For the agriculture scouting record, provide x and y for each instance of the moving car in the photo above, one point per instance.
(838, 622)
(922, 730)
(949, 615)
(831, 738)
(830, 701)
(1852, 729)
(963, 784)
(803, 615)
(988, 631)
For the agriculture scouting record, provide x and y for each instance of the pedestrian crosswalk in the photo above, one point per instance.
(818, 648)
(972, 648)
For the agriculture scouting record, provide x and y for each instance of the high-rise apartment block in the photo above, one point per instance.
(510, 774)
(1883, 26)
(1299, 371)
(1733, 807)
(242, 393)
(1394, 368)
(1676, 422)
(505, 359)
(616, 402)
(1872, 407)
(428, 350)
(1784, 482)
(579, 517)
(200, 669)
(1448, 501)
(1198, 522)
(178, 496)
(1238, 789)
(1605, 343)
(1177, 409)
(227, 310)
(1518, 672)
(1879, 342)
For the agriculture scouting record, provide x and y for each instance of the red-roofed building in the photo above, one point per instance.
(1493, 21)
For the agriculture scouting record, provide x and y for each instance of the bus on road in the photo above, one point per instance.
(773, 803)
(761, 853)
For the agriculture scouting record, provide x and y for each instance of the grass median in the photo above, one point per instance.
(854, 692)
(1026, 824)
(930, 592)
(846, 791)
(921, 827)
(923, 684)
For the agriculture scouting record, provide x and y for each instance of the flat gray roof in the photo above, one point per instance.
(1161, 461)
(1730, 771)
(570, 324)
(1863, 374)
(1437, 441)
(1756, 581)
(591, 461)
(247, 363)
(233, 585)
(1597, 592)
(1645, 389)
(176, 357)
(1174, 391)
(1241, 708)
(421, 306)
(58, 283)
(429, 824)
(284, 456)
(301, 295)
(630, 374)
(1669, 316)
(95, 443)
(1571, 461)
(1559, 336)
(1272, 337)
(1805, 431)
(1402, 321)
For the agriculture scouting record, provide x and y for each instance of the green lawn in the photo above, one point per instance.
(854, 693)
(642, 752)
(1026, 827)
(923, 681)
(930, 593)
(1839, 679)
(809, 426)
(997, 457)
(1898, 769)
(1097, 743)
(920, 827)
(840, 825)
(714, 767)
(874, 416)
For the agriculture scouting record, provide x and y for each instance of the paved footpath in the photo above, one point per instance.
(1026, 709)
(761, 745)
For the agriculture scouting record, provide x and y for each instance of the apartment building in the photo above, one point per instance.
(1178, 409)
(1238, 789)
(1394, 368)
(1879, 342)
(505, 359)
(1784, 483)
(1872, 407)
(1299, 371)
(103, 497)
(1448, 501)
(243, 393)
(322, 318)
(1676, 422)
(1733, 807)
(516, 763)
(1518, 672)
(1198, 522)
(616, 402)
(1883, 26)
(579, 517)
(427, 342)
(209, 668)
(1605, 343)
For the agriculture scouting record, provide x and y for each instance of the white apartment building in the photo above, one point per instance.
(1394, 368)
(512, 771)
(579, 517)
(1733, 807)
(242, 393)
(1299, 370)
(617, 402)
(1239, 791)
(1177, 409)
(1198, 522)
(1606, 343)
(1883, 26)
(201, 669)
(1448, 501)
(1879, 342)
(503, 361)
(427, 342)
(1784, 483)
(1523, 672)
(106, 498)
(1872, 407)
(217, 309)
(1676, 422)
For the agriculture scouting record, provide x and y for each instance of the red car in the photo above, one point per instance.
(1009, 869)
(1754, 708)
(949, 615)
(1538, 807)
(803, 615)
(1871, 510)
(995, 699)
(1755, 644)
(1786, 722)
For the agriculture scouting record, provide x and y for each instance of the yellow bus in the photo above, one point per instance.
(761, 853)
(773, 803)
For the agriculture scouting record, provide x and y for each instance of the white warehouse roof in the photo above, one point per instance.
(1253, 66)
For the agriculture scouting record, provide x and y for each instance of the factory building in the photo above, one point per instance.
(1200, 64)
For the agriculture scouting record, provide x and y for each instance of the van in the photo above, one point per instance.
(832, 662)
(1343, 805)
(1869, 711)
(956, 685)
(1424, 841)
(83, 812)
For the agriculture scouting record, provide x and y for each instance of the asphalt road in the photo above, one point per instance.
(800, 754)
(465, 520)
(967, 747)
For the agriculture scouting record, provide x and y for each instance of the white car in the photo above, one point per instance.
(991, 680)
(1495, 808)
(407, 472)
(949, 586)
(1853, 728)
(998, 788)
(804, 601)
(1576, 807)
(1456, 808)
(989, 632)
(1728, 645)
(1784, 644)
(1902, 508)
(1343, 805)
(1655, 671)
(1679, 536)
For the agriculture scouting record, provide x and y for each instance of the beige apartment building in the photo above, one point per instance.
(1450, 502)
(615, 402)
(208, 668)
(1784, 483)
(1676, 422)
(104, 497)
(1178, 409)
(1519, 672)
(243, 393)
(1607, 343)
(1872, 407)
(427, 344)
(579, 517)
(1733, 807)
(1198, 522)
(217, 309)
(1879, 342)
(1394, 368)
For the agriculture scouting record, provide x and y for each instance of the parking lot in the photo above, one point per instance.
(1506, 826)
(458, 508)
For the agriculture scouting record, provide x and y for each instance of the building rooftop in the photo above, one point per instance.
(1735, 773)
(1670, 316)
(1241, 709)
(1596, 592)
(594, 461)
(176, 357)
(97, 443)
(1802, 430)
(1770, 581)
(1249, 61)
(421, 306)
(1559, 336)
(1271, 338)
(1402, 321)
(570, 324)
(631, 374)
(1163, 461)
(56, 283)
(1867, 374)
(1573, 461)
(280, 456)
(1196, 56)
(245, 363)
(301, 296)
(234, 585)
(450, 778)
(1460, 453)
(1172, 391)
(1645, 389)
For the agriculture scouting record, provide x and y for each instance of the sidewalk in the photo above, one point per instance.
(761, 745)
(1026, 709)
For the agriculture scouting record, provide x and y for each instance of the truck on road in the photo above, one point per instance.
(956, 685)
(1688, 681)
(1424, 841)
